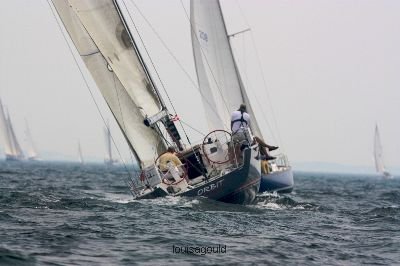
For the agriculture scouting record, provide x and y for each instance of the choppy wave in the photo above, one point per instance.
(64, 214)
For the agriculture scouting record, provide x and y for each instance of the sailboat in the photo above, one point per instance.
(220, 82)
(108, 160)
(378, 156)
(101, 36)
(12, 149)
(80, 157)
(32, 154)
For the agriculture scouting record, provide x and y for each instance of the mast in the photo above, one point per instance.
(146, 71)
(162, 116)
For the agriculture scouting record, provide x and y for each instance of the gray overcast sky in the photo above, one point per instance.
(331, 69)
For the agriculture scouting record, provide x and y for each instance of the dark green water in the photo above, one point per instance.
(66, 214)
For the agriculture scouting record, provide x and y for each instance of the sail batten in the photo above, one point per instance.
(104, 44)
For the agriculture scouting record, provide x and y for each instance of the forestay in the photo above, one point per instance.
(103, 42)
(217, 74)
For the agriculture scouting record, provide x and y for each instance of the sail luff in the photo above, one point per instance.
(139, 56)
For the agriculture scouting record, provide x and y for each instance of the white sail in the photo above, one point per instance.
(31, 149)
(104, 44)
(16, 148)
(378, 153)
(108, 157)
(5, 133)
(80, 157)
(217, 74)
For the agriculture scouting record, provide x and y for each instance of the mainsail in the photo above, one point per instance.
(104, 43)
(31, 149)
(378, 154)
(217, 73)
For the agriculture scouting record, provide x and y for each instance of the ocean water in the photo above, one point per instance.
(67, 214)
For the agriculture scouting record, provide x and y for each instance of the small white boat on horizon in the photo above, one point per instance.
(378, 156)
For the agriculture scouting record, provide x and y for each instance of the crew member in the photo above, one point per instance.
(169, 156)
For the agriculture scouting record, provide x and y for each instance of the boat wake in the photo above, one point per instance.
(274, 201)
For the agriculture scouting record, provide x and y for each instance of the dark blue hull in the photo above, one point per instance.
(279, 181)
(239, 186)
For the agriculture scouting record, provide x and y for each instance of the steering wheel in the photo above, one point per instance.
(220, 139)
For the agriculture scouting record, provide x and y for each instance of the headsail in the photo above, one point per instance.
(98, 31)
(217, 74)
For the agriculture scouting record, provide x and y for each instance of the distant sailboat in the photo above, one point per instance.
(108, 160)
(80, 157)
(32, 154)
(12, 149)
(378, 156)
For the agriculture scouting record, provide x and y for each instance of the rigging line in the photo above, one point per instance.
(211, 106)
(154, 67)
(208, 64)
(262, 75)
(83, 77)
(196, 130)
